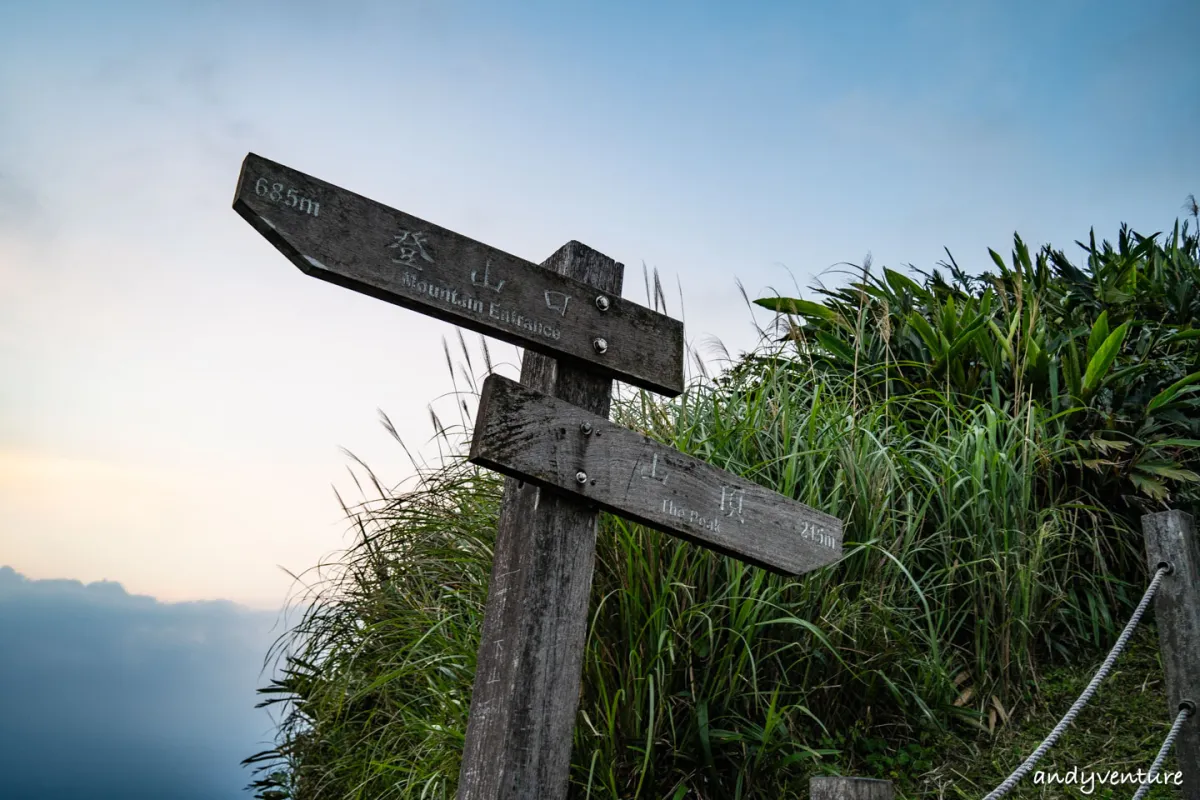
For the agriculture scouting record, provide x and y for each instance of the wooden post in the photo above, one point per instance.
(527, 674)
(1171, 539)
(838, 788)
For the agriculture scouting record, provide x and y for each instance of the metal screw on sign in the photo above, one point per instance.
(586, 428)
(602, 303)
(581, 477)
(600, 344)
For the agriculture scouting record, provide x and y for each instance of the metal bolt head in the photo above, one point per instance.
(585, 428)
(581, 477)
(602, 303)
(600, 344)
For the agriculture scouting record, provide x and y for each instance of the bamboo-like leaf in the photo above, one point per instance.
(1034, 354)
(949, 318)
(966, 336)
(1169, 394)
(1071, 370)
(1193, 333)
(836, 346)
(1103, 359)
(803, 308)
(1004, 342)
(1121, 376)
(999, 261)
(1099, 334)
(902, 283)
(927, 334)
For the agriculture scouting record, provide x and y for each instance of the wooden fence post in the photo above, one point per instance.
(839, 788)
(1171, 539)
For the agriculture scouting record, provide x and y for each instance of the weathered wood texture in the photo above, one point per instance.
(527, 676)
(535, 437)
(346, 239)
(1171, 539)
(830, 788)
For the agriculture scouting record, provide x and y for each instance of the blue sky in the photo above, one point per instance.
(175, 393)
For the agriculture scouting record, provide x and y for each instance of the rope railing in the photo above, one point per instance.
(1168, 743)
(1006, 786)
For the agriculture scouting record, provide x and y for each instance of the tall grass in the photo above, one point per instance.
(966, 566)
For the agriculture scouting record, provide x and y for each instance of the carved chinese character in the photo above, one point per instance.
(486, 282)
(656, 472)
(731, 502)
(557, 301)
(410, 245)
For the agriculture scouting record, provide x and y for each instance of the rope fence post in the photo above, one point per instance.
(1171, 540)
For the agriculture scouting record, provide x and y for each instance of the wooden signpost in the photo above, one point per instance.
(551, 436)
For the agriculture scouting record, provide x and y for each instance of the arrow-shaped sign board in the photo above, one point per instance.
(550, 443)
(346, 239)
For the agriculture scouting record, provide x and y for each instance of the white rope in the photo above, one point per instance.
(1023, 770)
(1184, 713)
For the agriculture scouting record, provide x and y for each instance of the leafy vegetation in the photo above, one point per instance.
(1109, 348)
(971, 434)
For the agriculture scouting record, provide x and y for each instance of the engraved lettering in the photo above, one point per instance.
(817, 535)
(557, 301)
(507, 316)
(656, 472)
(445, 295)
(410, 245)
(731, 502)
(691, 516)
(278, 193)
(485, 282)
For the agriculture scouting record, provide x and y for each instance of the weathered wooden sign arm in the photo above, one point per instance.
(537, 438)
(344, 238)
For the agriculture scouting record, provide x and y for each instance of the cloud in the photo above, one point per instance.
(105, 695)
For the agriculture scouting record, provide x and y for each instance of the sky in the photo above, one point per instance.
(175, 396)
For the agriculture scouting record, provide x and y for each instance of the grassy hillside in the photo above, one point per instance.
(989, 444)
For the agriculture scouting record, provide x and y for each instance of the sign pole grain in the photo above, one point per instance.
(527, 676)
